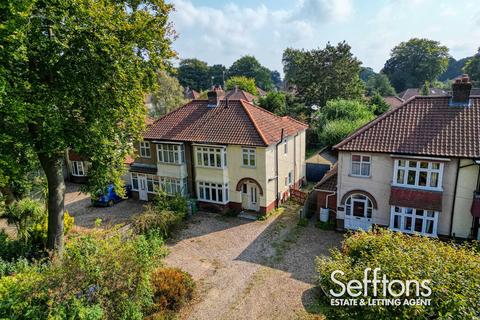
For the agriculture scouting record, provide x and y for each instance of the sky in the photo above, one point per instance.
(220, 32)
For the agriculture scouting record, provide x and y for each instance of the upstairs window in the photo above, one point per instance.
(248, 157)
(211, 157)
(78, 169)
(171, 153)
(360, 165)
(418, 174)
(145, 149)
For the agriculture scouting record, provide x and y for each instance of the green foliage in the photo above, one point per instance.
(328, 225)
(172, 288)
(323, 74)
(454, 271)
(194, 73)
(379, 83)
(276, 79)
(425, 89)
(303, 222)
(378, 104)
(413, 62)
(164, 201)
(339, 118)
(472, 67)
(275, 102)
(168, 96)
(101, 276)
(243, 83)
(161, 222)
(217, 74)
(454, 69)
(366, 73)
(249, 67)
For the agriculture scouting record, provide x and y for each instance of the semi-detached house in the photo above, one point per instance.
(227, 153)
(414, 169)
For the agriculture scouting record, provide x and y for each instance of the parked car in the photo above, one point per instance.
(110, 197)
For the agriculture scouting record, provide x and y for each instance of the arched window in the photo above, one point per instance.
(358, 205)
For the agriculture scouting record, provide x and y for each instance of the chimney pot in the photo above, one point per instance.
(214, 96)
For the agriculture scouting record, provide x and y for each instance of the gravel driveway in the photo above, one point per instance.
(78, 205)
(250, 269)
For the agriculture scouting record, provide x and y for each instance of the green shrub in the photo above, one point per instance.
(162, 222)
(328, 225)
(172, 288)
(164, 201)
(454, 271)
(101, 275)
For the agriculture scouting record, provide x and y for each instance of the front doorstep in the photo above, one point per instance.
(249, 215)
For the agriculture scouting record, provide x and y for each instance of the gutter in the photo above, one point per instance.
(276, 169)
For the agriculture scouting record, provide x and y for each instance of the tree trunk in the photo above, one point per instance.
(56, 201)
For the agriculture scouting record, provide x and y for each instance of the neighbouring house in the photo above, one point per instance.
(190, 94)
(393, 101)
(415, 169)
(413, 92)
(226, 153)
(77, 166)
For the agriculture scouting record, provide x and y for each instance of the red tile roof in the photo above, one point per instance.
(329, 180)
(240, 123)
(394, 101)
(422, 126)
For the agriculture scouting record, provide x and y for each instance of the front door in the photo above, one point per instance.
(250, 197)
(142, 188)
(358, 213)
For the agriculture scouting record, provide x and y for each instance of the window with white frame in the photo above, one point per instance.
(170, 153)
(152, 183)
(213, 192)
(173, 186)
(145, 149)
(211, 157)
(248, 157)
(360, 165)
(78, 169)
(411, 220)
(418, 174)
(134, 181)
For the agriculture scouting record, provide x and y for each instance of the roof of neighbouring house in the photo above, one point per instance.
(325, 156)
(393, 101)
(190, 94)
(329, 180)
(239, 122)
(238, 94)
(422, 126)
(412, 92)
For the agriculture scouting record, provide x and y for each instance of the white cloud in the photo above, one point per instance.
(319, 11)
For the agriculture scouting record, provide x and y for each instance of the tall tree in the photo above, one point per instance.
(413, 62)
(168, 96)
(454, 69)
(276, 79)
(248, 66)
(472, 67)
(379, 83)
(217, 74)
(275, 102)
(323, 74)
(195, 74)
(74, 74)
(242, 83)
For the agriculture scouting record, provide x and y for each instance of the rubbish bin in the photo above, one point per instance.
(324, 214)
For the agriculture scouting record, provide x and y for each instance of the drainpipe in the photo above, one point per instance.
(454, 197)
(295, 159)
(276, 169)
(192, 169)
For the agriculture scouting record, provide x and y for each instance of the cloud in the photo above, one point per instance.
(319, 11)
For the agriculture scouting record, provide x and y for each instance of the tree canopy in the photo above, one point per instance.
(323, 74)
(379, 83)
(472, 67)
(168, 96)
(195, 74)
(413, 62)
(249, 67)
(275, 102)
(73, 75)
(243, 83)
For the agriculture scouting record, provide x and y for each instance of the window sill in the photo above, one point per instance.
(214, 202)
(170, 163)
(414, 232)
(79, 175)
(248, 167)
(417, 188)
(216, 168)
(357, 176)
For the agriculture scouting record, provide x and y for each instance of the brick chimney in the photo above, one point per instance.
(461, 91)
(214, 96)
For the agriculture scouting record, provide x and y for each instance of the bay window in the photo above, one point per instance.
(211, 157)
(248, 157)
(145, 149)
(360, 165)
(171, 153)
(418, 174)
(78, 169)
(171, 186)
(411, 220)
(213, 192)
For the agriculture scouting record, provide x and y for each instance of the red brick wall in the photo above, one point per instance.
(322, 197)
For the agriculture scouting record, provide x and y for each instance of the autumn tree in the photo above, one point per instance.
(413, 62)
(73, 75)
(323, 74)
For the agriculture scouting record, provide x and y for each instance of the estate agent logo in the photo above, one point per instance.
(375, 290)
